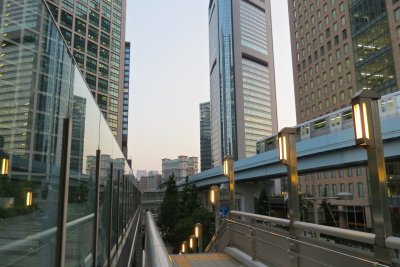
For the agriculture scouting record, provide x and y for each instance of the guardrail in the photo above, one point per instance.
(156, 254)
(266, 239)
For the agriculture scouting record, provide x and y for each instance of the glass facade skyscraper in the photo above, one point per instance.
(95, 33)
(205, 136)
(56, 151)
(242, 94)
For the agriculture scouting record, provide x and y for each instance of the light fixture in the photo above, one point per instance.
(198, 233)
(4, 166)
(28, 198)
(362, 116)
(184, 247)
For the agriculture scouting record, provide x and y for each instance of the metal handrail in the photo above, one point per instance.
(393, 242)
(42, 235)
(156, 253)
(280, 221)
(368, 238)
(339, 232)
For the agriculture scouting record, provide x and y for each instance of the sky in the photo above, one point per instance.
(169, 77)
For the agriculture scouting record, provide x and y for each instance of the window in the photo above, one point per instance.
(91, 65)
(360, 190)
(92, 49)
(79, 58)
(105, 40)
(66, 19)
(320, 190)
(358, 172)
(102, 102)
(67, 35)
(105, 25)
(79, 43)
(93, 33)
(91, 81)
(334, 190)
(351, 188)
(397, 14)
(342, 187)
(80, 26)
(103, 85)
(349, 172)
(94, 18)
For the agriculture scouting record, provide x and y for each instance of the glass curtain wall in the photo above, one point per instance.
(40, 86)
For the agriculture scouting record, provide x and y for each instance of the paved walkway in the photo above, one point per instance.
(204, 260)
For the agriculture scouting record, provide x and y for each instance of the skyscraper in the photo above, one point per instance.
(205, 136)
(340, 47)
(95, 33)
(242, 81)
(124, 125)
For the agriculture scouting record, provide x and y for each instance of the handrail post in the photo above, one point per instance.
(287, 155)
(253, 239)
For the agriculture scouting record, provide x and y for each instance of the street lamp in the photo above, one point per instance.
(4, 166)
(214, 199)
(230, 174)
(367, 131)
(192, 243)
(184, 247)
(198, 232)
(287, 156)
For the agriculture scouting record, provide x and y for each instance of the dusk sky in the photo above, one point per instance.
(170, 77)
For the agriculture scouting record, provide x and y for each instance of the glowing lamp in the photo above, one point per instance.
(283, 144)
(362, 116)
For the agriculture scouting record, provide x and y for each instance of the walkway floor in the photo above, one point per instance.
(204, 260)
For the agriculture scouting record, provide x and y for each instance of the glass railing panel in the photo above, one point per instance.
(36, 82)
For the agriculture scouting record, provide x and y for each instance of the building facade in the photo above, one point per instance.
(181, 167)
(124, 125)
(150, 183)
(205, 136)
(242, 81)
(340, 47)
(95, 33)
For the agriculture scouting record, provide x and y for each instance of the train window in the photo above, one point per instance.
(320, 124)
(347, 115)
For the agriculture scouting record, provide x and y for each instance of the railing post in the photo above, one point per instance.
(253, 239)
(63, 193)
(287, 155)
(110, 211)
(96, 208)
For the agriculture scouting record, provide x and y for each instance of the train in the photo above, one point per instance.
(389, 107)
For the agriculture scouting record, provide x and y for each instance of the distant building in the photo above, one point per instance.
(151, 173)
(150, 183)
(205, 136)
(181, 167)
(140, 174)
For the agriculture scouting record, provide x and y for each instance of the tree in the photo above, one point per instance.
(170, 208)
(261, 205)
(178, 216)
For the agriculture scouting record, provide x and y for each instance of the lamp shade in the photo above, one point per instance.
(283, 144)
(362, 116)
(214, 192)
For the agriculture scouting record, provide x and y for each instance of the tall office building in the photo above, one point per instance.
(340, 47)
(125, 105)
(205, 137)
(95, 33)
(242, 81)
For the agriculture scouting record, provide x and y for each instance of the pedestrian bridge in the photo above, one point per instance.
(253, 240)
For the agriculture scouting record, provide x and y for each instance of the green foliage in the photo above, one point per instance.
(261, 204)
(179, 215)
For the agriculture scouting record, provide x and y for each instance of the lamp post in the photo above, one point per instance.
(287, 156)
(367, 131)
(214, 199)
(184, 247)
(198, 232)
(192, 243)
(229, 173)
